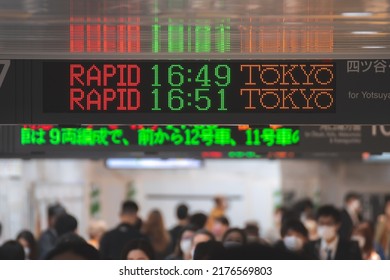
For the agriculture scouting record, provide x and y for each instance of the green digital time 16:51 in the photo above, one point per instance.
(197, 88)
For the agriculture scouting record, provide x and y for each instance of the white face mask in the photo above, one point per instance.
(185, 246)
(360, 239)
(293, 243)
(326, 232)
(192, 253)
(26, 252)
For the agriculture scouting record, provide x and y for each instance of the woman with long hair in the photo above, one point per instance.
(159, 237)
(29, 243)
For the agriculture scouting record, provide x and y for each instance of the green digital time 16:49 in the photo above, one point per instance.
(207, 90)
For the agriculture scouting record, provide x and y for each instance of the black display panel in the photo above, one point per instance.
(255, 92)
(198, 87)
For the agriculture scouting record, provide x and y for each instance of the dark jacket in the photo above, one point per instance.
(346, 250)
(113, 242)
(47, 242)
(346, 228)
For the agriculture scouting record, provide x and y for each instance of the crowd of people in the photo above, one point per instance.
(300, 232)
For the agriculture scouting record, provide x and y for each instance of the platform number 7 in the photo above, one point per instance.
(3, 70)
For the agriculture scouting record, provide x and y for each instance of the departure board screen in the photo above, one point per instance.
(194, 92)
(198, 87)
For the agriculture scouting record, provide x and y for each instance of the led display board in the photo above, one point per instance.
(256, 92)
(208, 141)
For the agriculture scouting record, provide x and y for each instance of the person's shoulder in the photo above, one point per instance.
(110, 233)
(279, 245)
(47, 234)
(175, 229)
(349, 245)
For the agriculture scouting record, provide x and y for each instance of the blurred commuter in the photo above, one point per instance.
(48, 238)
(364, 235)
(210, 250)
(182, 221)
(96, 231)
(199, 220)
(200, 236)
(331, 246)
(12, 250)
(273, 234)
(252, 232)
(183, 245)
(27, 240)
(304, 209)
(1, 231)
(220, 226)
(294, 237)
(217, 212)
(382, 231)
(234, 237)
(350, 215)
(73, 250)
(305, 213)
(113, 242)
(138, 249)
(159, 237)
(65, 224)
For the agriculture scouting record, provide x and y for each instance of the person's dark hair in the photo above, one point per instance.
(303, 204)
(129, 207)
(65, 224)
(80, 248)
(138, 244)
(351, 195)
(12, 250)
(55, 210)
(329, 211)
(205, 232)
(252, 229)
(199, 220)
(223, 220)
(238, 230)
(182, 212)
(70, 237)
(295, 225)
(210, 250)
(32, 243)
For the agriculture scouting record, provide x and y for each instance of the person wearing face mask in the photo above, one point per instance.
(294, 237)
(27, 240)
(331, 246)
(183, 245)
(350, 215)
(364, 235)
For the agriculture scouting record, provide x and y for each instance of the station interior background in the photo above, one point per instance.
(253, 188)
